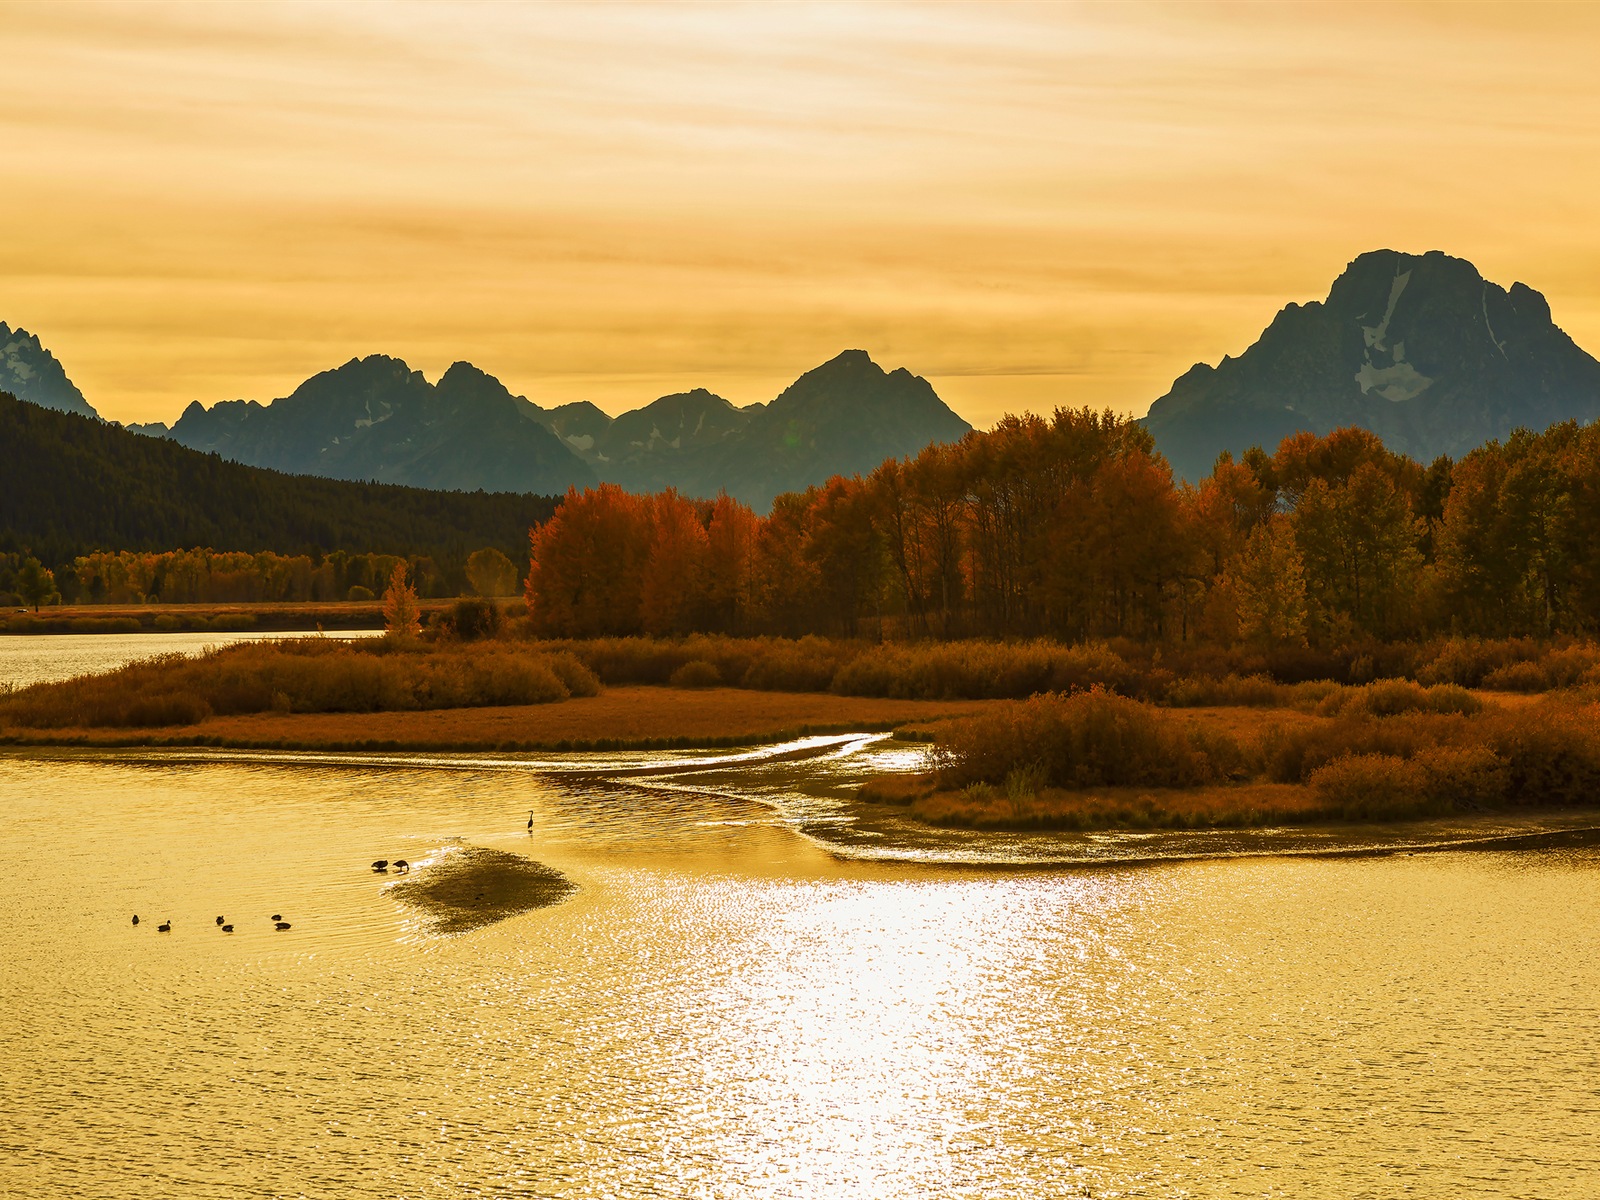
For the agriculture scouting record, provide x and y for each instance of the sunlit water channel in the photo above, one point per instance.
(758, 990)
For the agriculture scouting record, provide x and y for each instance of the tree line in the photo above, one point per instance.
(1072, 527)
(73, 485)
(203, 576)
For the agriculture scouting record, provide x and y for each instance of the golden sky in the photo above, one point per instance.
(1031, 205)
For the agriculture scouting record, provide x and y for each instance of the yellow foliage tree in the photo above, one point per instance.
(402, 617)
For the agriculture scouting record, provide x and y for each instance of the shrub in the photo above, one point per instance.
(357, 592)
(1392, 697)
(697, 674)
(1292, 754)
(1257, 691)
(1564, 667)
(1437, 780)
(1088, 739)
(168, 623)
(1371, 787)
(1468, 661)
(1552, 753)
(470, 620)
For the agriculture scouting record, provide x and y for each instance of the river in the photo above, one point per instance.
(755, 992)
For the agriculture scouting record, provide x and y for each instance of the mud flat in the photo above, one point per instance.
(473, 886)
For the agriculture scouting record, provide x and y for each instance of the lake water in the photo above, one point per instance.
(757, 991)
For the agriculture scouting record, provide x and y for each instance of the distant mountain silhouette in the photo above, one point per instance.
(30, 372)
(1420, 349)
(842, 418)
(375, 418)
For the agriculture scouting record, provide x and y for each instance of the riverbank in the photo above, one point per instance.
(639, 717)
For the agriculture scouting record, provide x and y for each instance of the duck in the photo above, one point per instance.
(219, 920)
(165, 926)
(275, 917)
(283, 925)
(381, 865)
(401, 864)
(135, 918)
(227, 929)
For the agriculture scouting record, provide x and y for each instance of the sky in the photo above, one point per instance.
(1030, 205)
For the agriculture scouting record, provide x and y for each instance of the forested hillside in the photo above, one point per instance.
(70, 485)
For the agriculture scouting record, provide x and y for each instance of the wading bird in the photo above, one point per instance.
(530, 821)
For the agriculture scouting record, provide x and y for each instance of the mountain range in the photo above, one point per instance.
(376, 418)
(1419, 348)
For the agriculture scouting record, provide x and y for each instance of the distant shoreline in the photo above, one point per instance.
(261, 617)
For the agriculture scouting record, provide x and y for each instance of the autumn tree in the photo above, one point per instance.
(1267, 582)
(588, 563)
(402, 616)
(491, 573)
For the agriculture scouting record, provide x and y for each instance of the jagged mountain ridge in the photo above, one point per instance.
(30, 372)
(1420, 349)
(375, 418)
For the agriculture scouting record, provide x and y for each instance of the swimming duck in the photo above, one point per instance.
(381, 865)
(283, 925)
(165, 926)
(135, 918)
(227, 929)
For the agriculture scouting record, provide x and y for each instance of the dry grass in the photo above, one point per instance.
(623, 717)
(302, 675)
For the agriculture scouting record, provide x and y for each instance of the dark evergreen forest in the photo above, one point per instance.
(70, 486)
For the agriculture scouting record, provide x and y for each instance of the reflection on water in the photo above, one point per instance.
(728, 1006)
(42, 658)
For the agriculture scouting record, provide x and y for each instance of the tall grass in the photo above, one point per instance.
(303, 675)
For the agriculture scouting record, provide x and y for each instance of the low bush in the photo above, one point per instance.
(1564, 667)
(1393, 697)
(1290, 754)
(1255, 691)
(697, 674)
(1388, 787)
(1087, 739)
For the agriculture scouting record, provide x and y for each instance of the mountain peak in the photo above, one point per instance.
(30, 372)
(1420, 349)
